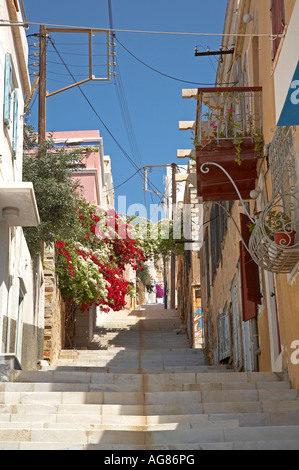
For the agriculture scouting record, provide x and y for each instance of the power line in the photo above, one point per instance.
(171, 33)
(138, 170)
(158, 71)
(126, 181)
(122, 99)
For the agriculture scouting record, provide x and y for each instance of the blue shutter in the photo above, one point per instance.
(15, 122)
(7, 89)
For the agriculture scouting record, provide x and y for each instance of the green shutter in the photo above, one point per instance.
(15, 122)
(7, 89)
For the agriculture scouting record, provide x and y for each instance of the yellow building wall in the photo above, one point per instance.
(287, 291)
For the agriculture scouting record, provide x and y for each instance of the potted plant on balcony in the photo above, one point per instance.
(251, 225)
(278, 227)
(281, 225)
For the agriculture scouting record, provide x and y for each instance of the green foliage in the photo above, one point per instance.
(57, 193)
(160, 238)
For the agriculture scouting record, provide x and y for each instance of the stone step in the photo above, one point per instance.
(78, 415)
(127, 449)
(149, 398)
(142, 387)
(226, 408)
(84, 425)
(74, 354)
(148, 324)
(145, 370)
(195, 420)
(155, 402)
(152, 438)
(90, 375)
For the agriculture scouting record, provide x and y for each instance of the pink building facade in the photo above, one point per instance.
(96, 174)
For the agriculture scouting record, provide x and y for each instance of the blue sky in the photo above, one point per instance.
(151, 102)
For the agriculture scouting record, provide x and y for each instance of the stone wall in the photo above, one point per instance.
(54, 333)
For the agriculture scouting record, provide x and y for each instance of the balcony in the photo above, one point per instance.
(228, 141)
(18, 205)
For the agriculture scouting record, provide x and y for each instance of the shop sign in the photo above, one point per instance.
(290, 112)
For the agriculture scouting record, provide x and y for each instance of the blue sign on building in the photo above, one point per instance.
(290, 112)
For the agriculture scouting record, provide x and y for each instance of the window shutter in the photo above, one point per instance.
(223, 330)
(251, 270)
(15, 122)
(249, 309)
(277, 19)
(7, 89)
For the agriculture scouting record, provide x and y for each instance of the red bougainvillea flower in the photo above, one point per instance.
(92, 270)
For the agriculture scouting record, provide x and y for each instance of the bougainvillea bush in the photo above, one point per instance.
(159, 292)
(91, 270)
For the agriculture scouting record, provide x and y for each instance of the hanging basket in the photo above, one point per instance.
(285, 239)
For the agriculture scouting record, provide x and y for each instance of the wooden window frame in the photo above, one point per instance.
(277, 23)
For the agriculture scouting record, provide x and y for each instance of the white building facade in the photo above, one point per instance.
(21, 279)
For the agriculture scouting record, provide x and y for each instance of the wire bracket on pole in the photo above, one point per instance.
(91, 76)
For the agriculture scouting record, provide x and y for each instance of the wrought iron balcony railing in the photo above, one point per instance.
(228, 113)
(228, 137)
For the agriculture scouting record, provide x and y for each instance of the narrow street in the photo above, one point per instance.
(140, 386)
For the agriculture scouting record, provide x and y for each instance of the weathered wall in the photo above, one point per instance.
(253, 65)
(54, 333)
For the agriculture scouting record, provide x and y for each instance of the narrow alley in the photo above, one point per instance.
(140, 387)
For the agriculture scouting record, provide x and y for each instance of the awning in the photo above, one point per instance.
(18, 205)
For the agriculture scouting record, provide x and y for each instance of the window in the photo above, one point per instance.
(7, 90)
(278, 22)
(223, 331)
(205, 265)
(218, 224)
(250, 280)
(16, 4)
(10, 105)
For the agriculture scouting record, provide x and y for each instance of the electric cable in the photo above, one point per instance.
(162, 73)
(124, 182)
(169, 33)
(100, 119)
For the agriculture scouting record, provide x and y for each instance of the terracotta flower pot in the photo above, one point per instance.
(285, 239)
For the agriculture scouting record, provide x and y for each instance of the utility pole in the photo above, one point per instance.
(42, 85)
(172, 261)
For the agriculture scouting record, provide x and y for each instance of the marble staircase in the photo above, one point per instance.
(139, 386)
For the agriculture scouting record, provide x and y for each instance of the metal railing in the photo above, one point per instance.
(227, 113)
(274, 242)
